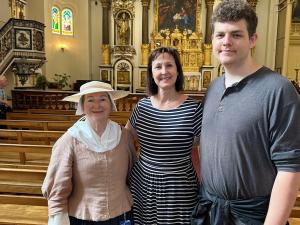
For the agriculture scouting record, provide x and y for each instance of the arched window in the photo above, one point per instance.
(55, 15)
(67, 22)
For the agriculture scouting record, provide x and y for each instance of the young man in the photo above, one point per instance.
(250, 141)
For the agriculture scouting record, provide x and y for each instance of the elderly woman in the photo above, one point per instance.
(86, 181)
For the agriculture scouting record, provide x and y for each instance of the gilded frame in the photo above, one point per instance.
(176, 8)
(206, 79)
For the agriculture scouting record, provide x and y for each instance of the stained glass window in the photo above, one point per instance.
(67, 22)
(55, 15)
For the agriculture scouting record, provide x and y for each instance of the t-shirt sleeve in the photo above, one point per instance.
(134, 116)
(198, 119)
(284, 130)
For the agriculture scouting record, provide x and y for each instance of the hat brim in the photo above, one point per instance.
(115, 94)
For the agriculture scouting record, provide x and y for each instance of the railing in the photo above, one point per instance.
(38, 99)
(21, 45)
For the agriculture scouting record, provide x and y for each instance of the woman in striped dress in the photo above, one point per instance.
(163, 182)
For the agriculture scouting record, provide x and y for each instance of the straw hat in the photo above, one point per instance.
(94, 87)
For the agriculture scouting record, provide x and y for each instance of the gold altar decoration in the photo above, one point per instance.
(207, 54)
(186, 39)
(121, 5)
(188, 46)
(105, 54)
(145, 53)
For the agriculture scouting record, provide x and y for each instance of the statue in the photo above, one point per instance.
(123, 30)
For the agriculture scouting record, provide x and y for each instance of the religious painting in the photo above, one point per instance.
(143, 82)
(176, 13)
(206, 79)
(296, 12)
(23, 39)
(123, 77)
(104, 75)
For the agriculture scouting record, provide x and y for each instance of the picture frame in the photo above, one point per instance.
(143, 80)
(104, 75)
(206, 79)
(23, 39)
(169, 14)
(123, 77)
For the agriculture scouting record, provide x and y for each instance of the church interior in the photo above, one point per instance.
(48, 48)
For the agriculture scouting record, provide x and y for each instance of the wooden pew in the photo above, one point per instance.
(52, 111)
(21, 181)
(23, 199)
(13, 214)
(43, 117)
(35, 154)
(63, 125)
(122, 116)
(29, 136)
(21, 202)
(37, 125)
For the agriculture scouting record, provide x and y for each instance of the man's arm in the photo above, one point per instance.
(283, 197)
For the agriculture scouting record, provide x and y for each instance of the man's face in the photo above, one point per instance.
(3, 81)
(231, 42)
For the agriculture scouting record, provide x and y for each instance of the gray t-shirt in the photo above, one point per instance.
(249, 132)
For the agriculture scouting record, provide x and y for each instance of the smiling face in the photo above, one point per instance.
(164, 71)
(97, 106)
(231, 43)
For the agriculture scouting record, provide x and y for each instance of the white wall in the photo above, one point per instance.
(4, 12)
(34, 12)
(75, 59)
(267, 31)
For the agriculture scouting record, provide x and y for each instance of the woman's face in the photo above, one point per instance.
(97, 106)
(164, 71)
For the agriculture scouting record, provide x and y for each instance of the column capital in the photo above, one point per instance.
(210, 2)
(105, 3)
(145, 3)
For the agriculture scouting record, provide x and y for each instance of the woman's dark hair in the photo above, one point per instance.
(151, 85)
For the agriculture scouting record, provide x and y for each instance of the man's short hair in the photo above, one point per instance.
(235, 10)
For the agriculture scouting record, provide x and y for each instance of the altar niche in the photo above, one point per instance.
(123, 28)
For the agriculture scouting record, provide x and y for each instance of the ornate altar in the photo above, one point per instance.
(188, 46)
(120, 72)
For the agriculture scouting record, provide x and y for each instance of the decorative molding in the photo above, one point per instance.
(123, 5)
(207, 54)
(123, 51)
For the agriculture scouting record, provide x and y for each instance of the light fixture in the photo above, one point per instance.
(62, 47)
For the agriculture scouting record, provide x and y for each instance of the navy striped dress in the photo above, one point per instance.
(163, 182)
